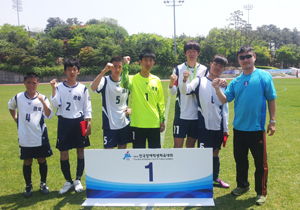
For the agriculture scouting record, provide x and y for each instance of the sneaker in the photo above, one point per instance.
(66, 188)
(260, 199)
(28, 191)
(220, 183)
(44, 188)
(77, 185)
(240, 190)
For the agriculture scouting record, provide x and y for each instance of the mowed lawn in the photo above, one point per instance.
(283, 158)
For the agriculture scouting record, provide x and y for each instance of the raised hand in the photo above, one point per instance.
(186, 75)
(53, 83)
(126, 59)
(216, 83)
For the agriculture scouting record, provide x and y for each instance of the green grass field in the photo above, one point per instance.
(283, 158)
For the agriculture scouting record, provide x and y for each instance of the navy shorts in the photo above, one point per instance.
(69, 134)
(183, 128)
(35, 152)
(141, 134)
(210, 138)
(113, 138)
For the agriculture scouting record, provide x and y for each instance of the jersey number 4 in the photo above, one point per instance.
(28, 117)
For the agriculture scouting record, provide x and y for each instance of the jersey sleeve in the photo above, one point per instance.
(55, 101)
(161, 103)
(189, 88)
(87, 105)
(51, 111)
(100, 86)
(172, 91)
(270, 92)
(12, 104)
(125, 80)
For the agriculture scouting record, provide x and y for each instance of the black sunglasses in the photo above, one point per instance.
(243, 57)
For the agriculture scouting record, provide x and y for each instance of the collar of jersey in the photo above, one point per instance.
(114, 80)
(64, 83)
(26, 96)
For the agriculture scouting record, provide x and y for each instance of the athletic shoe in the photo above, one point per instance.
(28, 191)
(77, 185)
(260, 199)
(66, 188)
(44, 188)
(220, 183)
(240, 190)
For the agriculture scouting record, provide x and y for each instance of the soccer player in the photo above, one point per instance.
(73, 104)
(185, 120)
(250, 90)
(212, 114)
(32, 107)
(147, 102)
(115, 120)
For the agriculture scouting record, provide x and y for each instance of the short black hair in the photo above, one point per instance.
(116, 58)
(31, 75)
(220, 59)
(191, 45)
(245, 48)
(70, 62)
(147, 53)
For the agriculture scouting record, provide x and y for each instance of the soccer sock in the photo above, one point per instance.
(65, 168)
(27, 174)
(43, 171)
(216, 167)
(80, 168)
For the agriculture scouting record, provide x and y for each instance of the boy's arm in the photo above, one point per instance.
(272, 113)
(14, 115)
(87, 105)
(161, 106)
(173, 84)
(12, 106)
(225, 114)
(55, 94)
(188, 88)
(216, 84)
(46, 105)
(88, 130)
(96, 82)
(125, 81)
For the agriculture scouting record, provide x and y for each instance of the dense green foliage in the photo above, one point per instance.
(96, 41)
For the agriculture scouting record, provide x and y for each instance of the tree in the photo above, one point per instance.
(53, 22)
(285, 55)
(73, 21)
(263, 56)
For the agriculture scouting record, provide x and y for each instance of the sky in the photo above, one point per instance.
(194, 17)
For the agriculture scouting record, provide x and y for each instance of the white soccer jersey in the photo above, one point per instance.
(31, 115)
(186, 105)
(209, 106)
(114, 102)
(72, 102)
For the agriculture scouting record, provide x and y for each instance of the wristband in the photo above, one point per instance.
(272, 121)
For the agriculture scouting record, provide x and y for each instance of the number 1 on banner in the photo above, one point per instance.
(150, 171)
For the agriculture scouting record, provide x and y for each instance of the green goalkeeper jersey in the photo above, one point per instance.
(147, 101)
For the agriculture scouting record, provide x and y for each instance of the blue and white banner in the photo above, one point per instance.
(157, 177)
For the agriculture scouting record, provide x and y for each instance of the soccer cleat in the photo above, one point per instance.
(28, 191)
(66, 188)
(77, 185)
(240, 190)
(220, 183)
(260, 199)
(44, 188)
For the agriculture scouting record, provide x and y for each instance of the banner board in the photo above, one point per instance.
(149, 177)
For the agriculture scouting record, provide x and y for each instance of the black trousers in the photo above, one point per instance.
(256, 142)
(141, 134)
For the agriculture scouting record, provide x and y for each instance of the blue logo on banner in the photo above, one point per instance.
(127, 156)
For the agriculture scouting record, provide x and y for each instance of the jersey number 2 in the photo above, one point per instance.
(68, 107)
